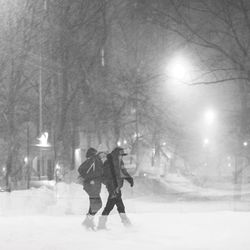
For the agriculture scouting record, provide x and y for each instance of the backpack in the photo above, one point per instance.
(87, 168)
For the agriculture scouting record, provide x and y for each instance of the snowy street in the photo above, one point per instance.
(50, 219)
(125, 125)
(208, 230)
(36, 219)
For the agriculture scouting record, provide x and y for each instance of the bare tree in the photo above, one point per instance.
(219, 33)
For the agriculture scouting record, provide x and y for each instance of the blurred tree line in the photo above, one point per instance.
(219, 34)
(71, 67)
(94, 67)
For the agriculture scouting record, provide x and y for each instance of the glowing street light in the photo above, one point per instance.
(43, 141)
(206, 142)
(4, 170)
(209, 117)
(179, 68)
(26, 159)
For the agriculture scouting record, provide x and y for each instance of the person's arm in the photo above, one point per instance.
(127, 177)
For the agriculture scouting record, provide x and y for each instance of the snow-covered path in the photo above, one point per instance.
(50, 219)
(208, 230)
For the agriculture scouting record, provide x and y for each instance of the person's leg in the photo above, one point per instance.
(89, 222)
(109, 206)
(121, 210)
(94, 197)
(103, 218)
(119, 203)
(95, 205)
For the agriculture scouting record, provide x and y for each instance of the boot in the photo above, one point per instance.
(125, 220)
(102, 222)
(88, 223)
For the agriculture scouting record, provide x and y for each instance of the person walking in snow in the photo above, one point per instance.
(114, 175)
(91, 172)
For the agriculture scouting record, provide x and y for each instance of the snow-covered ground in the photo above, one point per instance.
(50, 219)
(216, 230)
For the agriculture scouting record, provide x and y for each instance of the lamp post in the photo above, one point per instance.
(42, 145)
(28, 157)
(40, 97)
(41, 102)
(40, 115)
(209, 117)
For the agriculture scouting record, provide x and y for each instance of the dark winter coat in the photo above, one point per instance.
(92, 184)
(115, 172)
(96, 172)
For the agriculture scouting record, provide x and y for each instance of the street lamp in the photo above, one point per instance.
(206, 142)
(43, 141)
(179, 68)
(209, 116)
(42, 145)
(208, 125)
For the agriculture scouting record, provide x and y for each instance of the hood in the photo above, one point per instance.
(91, 152)
(114, 156)
(118, 151)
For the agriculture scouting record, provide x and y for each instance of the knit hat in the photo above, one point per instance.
(119, 151)
(91, 152)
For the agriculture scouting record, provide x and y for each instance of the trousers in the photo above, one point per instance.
(93, 191)
(112, 201)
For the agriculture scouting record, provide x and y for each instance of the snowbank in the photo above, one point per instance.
(62, 198)
(161, 231)
(56, 213)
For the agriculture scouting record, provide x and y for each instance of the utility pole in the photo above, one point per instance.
(137, 162)
(28, 157)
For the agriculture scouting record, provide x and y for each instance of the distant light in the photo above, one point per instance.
(57, 166)
(102, 56)
(125, 142)
(43, 140)
(119, 143)
(25, 159)
(169, 155)
(78, 157)
(209, 116)
(245, 143)
(179, 68)
(133, 110)
(164, 144)
(136, 135)
(206, 142)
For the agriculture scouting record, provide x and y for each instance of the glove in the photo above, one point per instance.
(130, 180)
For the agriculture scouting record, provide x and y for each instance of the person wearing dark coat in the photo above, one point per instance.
(92, 186)
(114, 176)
